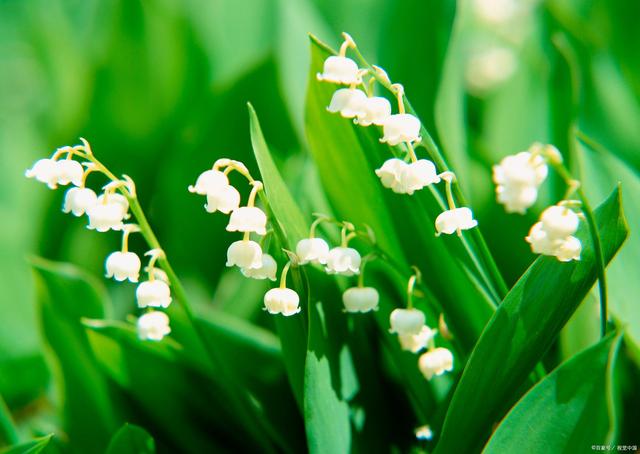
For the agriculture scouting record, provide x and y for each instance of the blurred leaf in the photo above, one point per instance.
(30, 447)
(8, 434)
(131, 439)
(600, 170)
(569, 407)
(521, 331)
(22, 379)
(66, 295)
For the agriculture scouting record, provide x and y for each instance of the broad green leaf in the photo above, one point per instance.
(31, 447)
(23, 379)
(346, 156)
(66, 295)
(131, 439)
(520, 332)
(568, 411)
(8, 434)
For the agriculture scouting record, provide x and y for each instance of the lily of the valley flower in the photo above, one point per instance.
(224, 199)
(340, 70)
(406, 321)
(69, 171)
(553, 234)
(374, 111)
(267, 269)
(123, 265)
(416, 342)
(153, 326)
(155, 293)
(210, 182)
(312, 250)
(245, 254)
(282, 300)
(248, 219)
(559, 222)
(417, 175)
(344, 261)
(44, 171)
(105, 216)
(116, 199)
(79, 200)
(435, 362)
(360, 299)
(455, 220)
(517, 178)
(349, 102)
(424, 432)
(401, 128)
(390, 174)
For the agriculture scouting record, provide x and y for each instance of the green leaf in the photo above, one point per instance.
(521, 331)
(8, 434)
(568, 411)
(66, 295)
(30, 447)
(131, 439)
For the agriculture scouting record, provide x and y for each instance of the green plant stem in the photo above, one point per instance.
(8, 434)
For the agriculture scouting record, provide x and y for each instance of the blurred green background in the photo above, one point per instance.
(159, 88)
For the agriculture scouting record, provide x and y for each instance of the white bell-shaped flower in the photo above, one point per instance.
(375, 110)
(516, 199)
(45, 171)
(209, 182)
(117, 199)
(79, 200)
(360, 299)
(225, 199)
(69, 171)
(154, 293)
(416, 342)
(406, 321)
(340, 70)
(424, 432)
(312, 250)
(282, 301)
(105, 216)
(540, 241)
(453, 220)
(122, 266)
(153, 326)
(521, 169)
(267, 269)
(349, 102)
(417, 175)
(435, 362)
(390, 174)
(344, 261)
(245, 254)
(248, 219)
(569, 249)
(559, 222)
(401, 128)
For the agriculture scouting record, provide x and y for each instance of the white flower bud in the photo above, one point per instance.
(390, 174)
(424, 432)
(282, 301)
(516, 199)
(312, 250)
(209, 182)
(435, 362)
(360, 299)
(375, 110)
(417, 175)
(569, 249)
(401, 128)
(154, 293)
(105, 216)
(244, 254)
(153, 326)
(79, 200)
(406, 321)
(340, 70)
(69, 171)
(248, 219)
(416, 342)
(451, 221)
(344, 261)
(123, 265)
(225, 199)
(349, 102)
(267, 269)
(45, 171)
(559, 222)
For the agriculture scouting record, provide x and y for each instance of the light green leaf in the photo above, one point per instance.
(568, 411)
(8, 434)
(520, 332)
(31, 447)
(130, 439)
(66, 295)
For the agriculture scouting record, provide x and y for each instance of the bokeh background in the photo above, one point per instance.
(159, 88)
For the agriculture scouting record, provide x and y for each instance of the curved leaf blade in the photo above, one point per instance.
(131, 439)
(31, 447)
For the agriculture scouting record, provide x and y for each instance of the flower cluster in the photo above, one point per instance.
(106, 212)
(415, 335)
(401, 130)
(518, 178)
